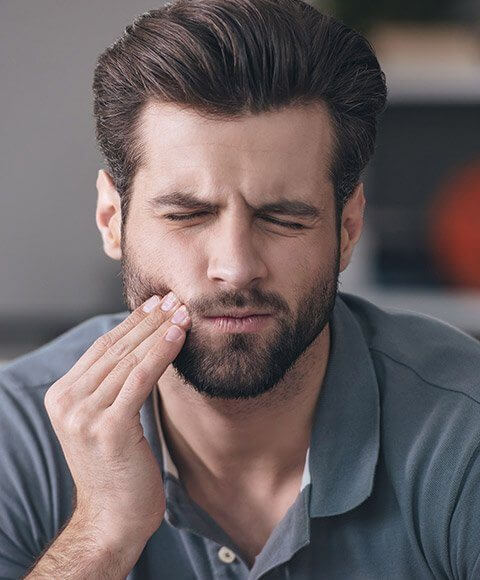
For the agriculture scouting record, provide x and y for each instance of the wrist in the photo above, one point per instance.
(109, 535)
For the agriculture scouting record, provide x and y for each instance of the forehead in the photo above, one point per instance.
(267, 151)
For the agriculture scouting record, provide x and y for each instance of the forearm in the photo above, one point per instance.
(80, 553)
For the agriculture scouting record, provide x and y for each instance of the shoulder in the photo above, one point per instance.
(428, 376)
(27, 439)
(46, 364)
(25, 380)
(437, 353)
(428, 380)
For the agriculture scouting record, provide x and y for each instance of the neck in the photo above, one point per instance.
(236, 442)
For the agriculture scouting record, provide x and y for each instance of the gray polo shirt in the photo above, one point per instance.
(391, 484)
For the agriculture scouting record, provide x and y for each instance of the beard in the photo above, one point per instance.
(241, 365)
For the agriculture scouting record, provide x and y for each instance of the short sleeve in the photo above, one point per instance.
(465, 524)
(35, 483)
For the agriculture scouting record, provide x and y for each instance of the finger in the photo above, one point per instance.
(106, 342)
(145, 375)
(107, 392)
(120, 350)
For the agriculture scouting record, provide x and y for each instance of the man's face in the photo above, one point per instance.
(232, 254)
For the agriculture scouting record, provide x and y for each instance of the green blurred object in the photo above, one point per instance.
(363, 15)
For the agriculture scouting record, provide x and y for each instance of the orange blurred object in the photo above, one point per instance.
(454, 227)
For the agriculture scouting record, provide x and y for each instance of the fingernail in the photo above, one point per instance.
(173, 334)
(180, 315)
(151, 303)
(168, 301)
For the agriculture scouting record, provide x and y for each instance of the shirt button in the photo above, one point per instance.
(226, 555)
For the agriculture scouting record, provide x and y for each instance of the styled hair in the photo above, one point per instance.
(228, 58)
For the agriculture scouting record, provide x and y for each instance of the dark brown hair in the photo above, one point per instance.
(226, 58)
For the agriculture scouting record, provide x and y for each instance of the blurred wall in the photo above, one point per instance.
(53, 270)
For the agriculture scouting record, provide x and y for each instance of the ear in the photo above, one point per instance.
(352, 225)
(108, 215)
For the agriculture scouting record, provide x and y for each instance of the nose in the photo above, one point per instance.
(234, 258)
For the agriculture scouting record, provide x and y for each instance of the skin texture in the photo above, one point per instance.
(237, 409)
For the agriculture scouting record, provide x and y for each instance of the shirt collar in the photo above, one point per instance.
(345, 439)
(167, 462)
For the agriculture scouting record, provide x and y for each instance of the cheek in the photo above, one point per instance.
(177, 264)
(312, 262)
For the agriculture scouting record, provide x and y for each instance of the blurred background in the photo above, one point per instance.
(420, 249)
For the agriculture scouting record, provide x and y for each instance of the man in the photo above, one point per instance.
(280, 429)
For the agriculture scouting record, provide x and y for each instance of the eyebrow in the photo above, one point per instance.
(186, 200)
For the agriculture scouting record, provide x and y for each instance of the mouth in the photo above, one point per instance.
(248, 323)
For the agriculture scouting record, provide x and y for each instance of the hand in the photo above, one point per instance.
(95, 412)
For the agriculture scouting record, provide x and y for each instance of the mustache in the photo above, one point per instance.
(138, 287)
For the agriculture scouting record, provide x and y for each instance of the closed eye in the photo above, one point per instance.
(183, 217)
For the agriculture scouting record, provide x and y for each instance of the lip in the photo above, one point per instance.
(236, 314)
(252, 323)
